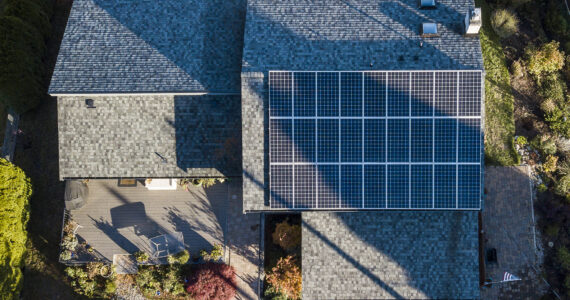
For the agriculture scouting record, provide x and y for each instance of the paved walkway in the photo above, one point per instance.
(243, 244)
(508, 227)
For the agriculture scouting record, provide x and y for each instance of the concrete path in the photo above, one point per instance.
(508, 227)
(243, 240)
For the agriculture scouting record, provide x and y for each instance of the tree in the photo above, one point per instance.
(286, 277)
(545, 59)
(212, 281)
(31, 13)
(287, 236)
(15, 191)
(21, 49)
(504, 22)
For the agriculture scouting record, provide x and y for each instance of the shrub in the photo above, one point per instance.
(15, 191)
(563, 257)
(165, 279)
(562, 185)
(286, 277)
(287, 236)
(88, 283)
(207, 182)
(141, 256)
(558, 121)
(556, 21)
(517, 68)
(274, 294)
(212, 281)
(181, 257)
(542, 188)
(543, 60)
(217, 252)
(521, 140)
(545, 144)
(504, 22)
(549, 164)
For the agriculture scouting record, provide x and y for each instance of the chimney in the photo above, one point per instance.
(473, 22)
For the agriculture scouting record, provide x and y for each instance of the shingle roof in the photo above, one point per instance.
(405, 255)
(342, 36)
(126, 136)
(146, 46)
(350, 35)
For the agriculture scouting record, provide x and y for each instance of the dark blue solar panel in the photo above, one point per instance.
(398, 186)
(398, 94)
(351, 140)
(422, 94)
(374, 140)
(304, 95)
(351, 94)
(469, 139)
(422, 196)
(470, 93)
(374, 186)
(398, 140)
(422, 140)
(444, 185)
(351, 187)
(328, 186)
(281, 142)
(327, 137)
(280, 94)
(469, 185)
(305, 188)
(281, 186)
(446, 94)
(445, 137)
(327, 94)
(304, 140)
(374, 94)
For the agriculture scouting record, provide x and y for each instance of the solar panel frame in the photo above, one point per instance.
(375, 97)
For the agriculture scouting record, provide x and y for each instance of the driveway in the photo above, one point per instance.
(508, 227)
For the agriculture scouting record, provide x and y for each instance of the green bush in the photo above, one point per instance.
(521, 140)
(544, 60)
(550, 163)
(31, 13)
(504, 22)
(544, 144)
(517, 68)
(141, 256)
(181, 257)
(542, 188)
(90, 283)
(15, 191)
(165, 278)
(273, 293)
(562, 185)
(217, 252)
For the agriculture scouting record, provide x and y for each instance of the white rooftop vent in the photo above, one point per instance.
(427, 4)
(473, 21)
(429, 30)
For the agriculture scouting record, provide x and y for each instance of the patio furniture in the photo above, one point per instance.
(167, 244)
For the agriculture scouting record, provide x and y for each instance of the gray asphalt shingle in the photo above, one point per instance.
(390, 254)
(146, 46)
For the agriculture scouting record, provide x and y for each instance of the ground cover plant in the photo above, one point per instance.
(499, 121)
(15, 191)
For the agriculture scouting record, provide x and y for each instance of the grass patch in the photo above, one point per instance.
(499, 101)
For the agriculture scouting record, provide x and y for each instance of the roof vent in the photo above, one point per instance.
(473, 22)
(90, 103)
(429, 30)
(427, 4)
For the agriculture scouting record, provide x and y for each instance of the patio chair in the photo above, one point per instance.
(167, 244)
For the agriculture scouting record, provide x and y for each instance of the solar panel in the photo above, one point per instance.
(375, 140)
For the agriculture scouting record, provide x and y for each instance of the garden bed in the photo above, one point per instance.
(282, 256)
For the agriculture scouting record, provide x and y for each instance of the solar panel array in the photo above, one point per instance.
(375, 140)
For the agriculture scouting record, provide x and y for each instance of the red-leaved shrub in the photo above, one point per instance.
(212, 281)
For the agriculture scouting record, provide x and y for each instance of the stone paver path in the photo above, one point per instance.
(243, 237)
(508, 227)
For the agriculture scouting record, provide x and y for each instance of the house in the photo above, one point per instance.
(363, 116)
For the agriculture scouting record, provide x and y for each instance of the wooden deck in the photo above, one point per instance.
(121, 220)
